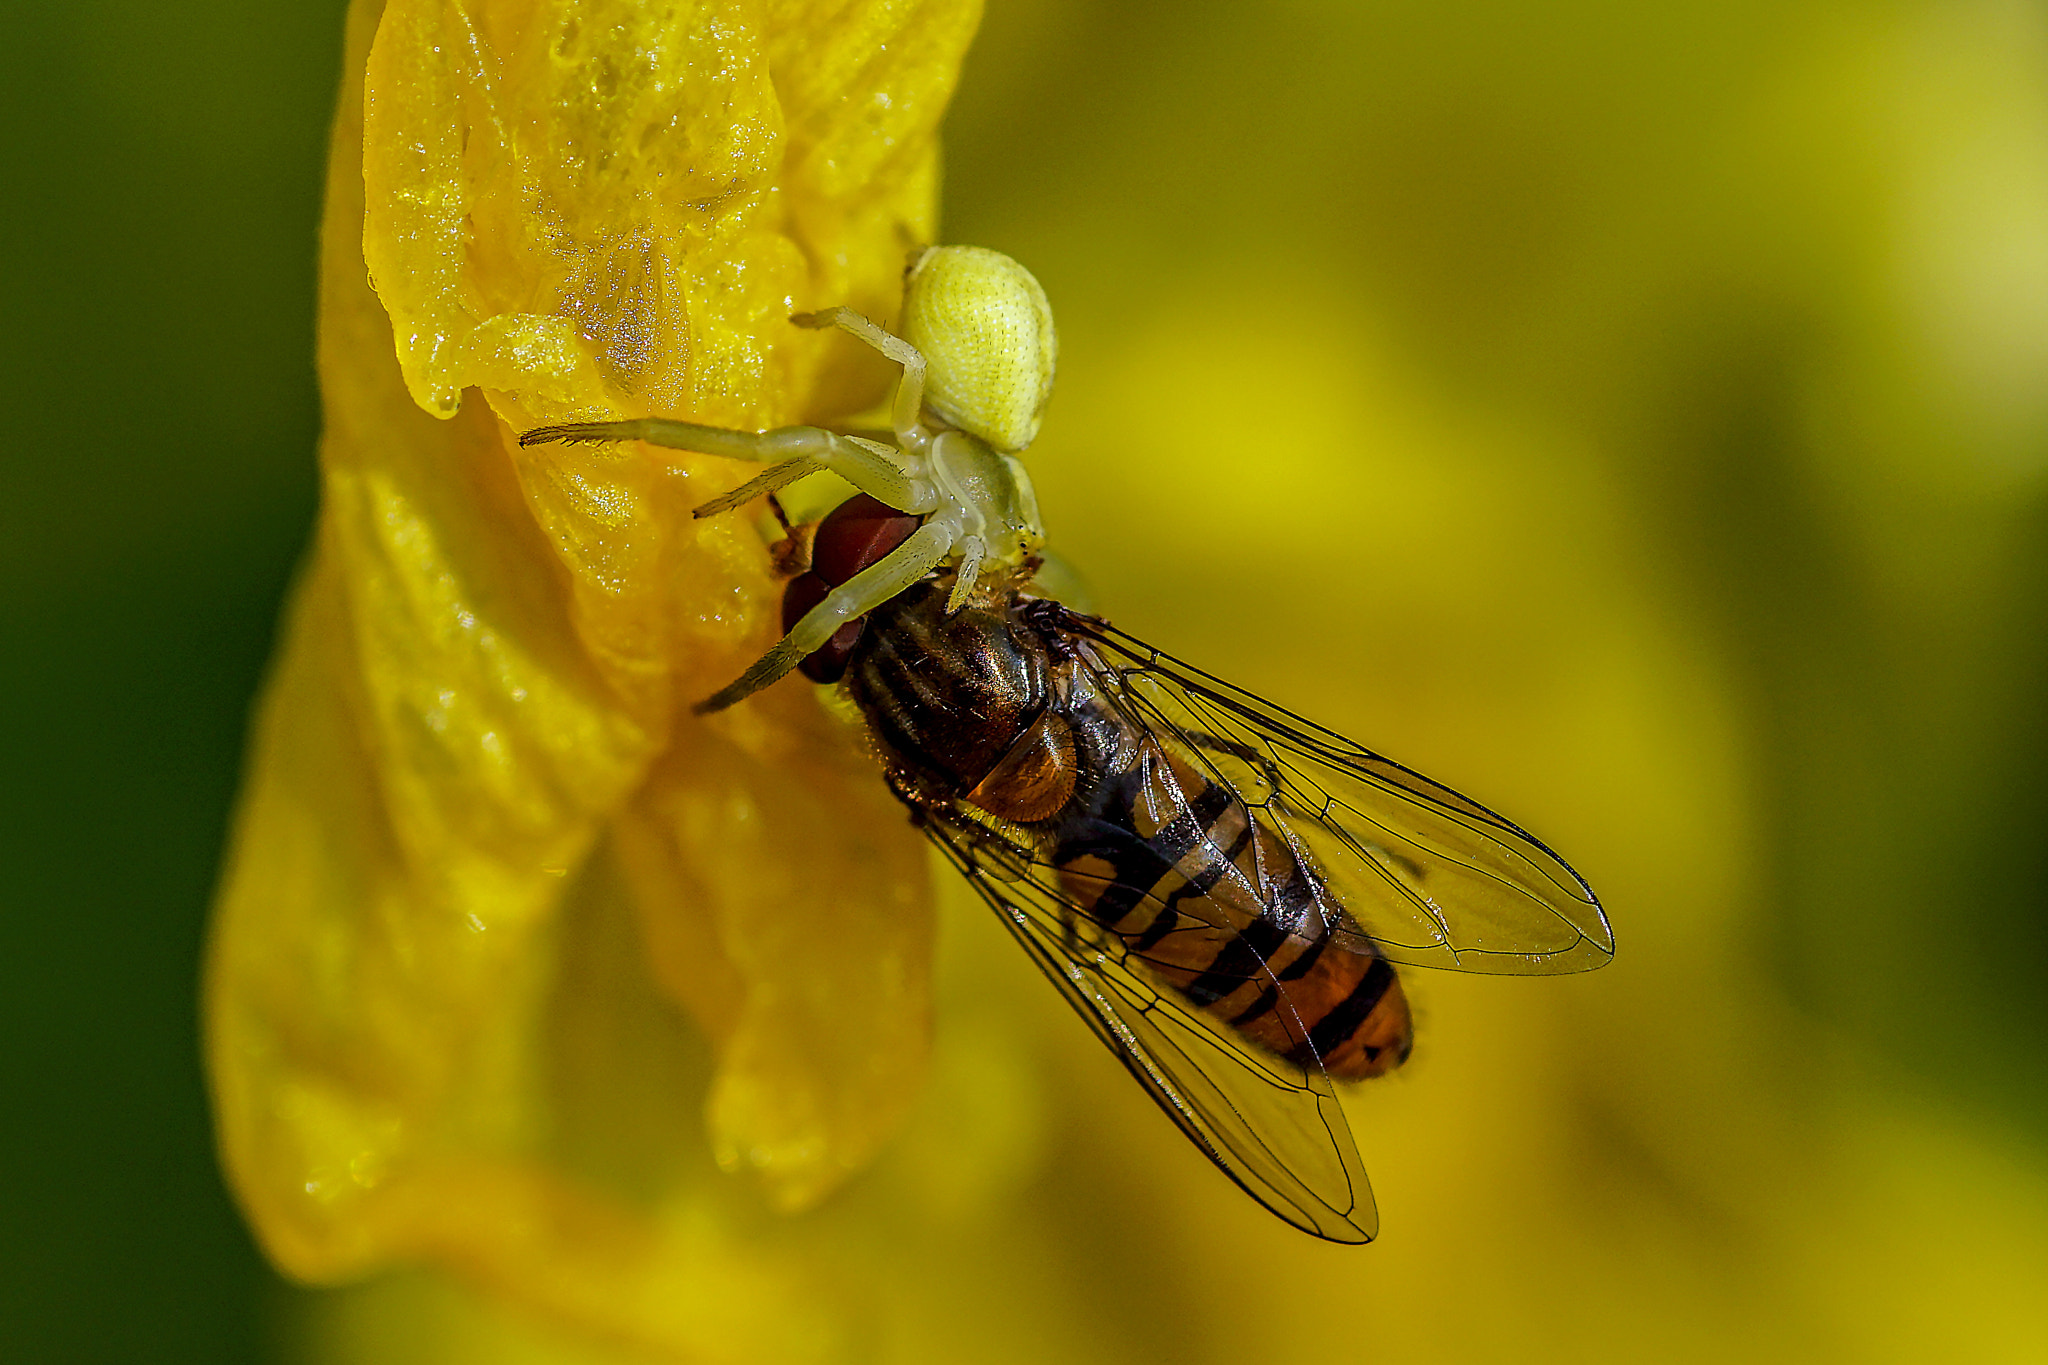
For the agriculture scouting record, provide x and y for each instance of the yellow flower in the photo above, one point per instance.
(476, 819)
(1638, 432)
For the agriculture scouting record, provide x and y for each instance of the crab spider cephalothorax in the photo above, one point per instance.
(977, 354)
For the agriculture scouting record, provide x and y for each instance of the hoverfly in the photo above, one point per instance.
(1221, 889)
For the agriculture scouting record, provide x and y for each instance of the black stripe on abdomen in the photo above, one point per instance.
(1329, 1032)
(1268, 998)
(1195, 887)
(1237, 962)
(1137, 864)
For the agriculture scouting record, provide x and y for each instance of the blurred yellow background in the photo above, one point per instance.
(1632, 415)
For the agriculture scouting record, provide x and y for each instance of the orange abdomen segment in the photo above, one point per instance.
(1222, 910)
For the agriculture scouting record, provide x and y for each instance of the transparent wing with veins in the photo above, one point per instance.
(1272, 1125)
(1411, 870)
(1426, 877)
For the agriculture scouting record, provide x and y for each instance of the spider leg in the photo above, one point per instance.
(972, 552)
(793, 452)
(860, 594)
(767, 481)
(909, 402)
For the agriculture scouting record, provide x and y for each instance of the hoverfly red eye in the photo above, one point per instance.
(803, 592)
(858, 532)
(826, 664)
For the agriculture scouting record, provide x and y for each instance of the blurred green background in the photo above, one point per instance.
(163, 172)
(1634, 413)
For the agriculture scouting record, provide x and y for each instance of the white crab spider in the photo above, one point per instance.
(977, 353)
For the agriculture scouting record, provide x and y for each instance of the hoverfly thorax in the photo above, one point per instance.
(963, 705)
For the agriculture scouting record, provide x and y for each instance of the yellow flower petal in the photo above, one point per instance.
(473, 772)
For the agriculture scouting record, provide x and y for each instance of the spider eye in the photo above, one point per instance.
(986, 332)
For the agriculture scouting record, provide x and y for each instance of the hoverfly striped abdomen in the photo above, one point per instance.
(1202, 890)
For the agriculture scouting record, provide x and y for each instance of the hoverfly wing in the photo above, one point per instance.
(1273, 1126)
(1431, 878)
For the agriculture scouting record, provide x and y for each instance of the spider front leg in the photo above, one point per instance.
(907, 412)
(927, 547)
(793, 451)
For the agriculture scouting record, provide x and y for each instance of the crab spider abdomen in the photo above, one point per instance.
(985, 330)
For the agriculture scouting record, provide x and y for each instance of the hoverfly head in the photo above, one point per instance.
(986, 332)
